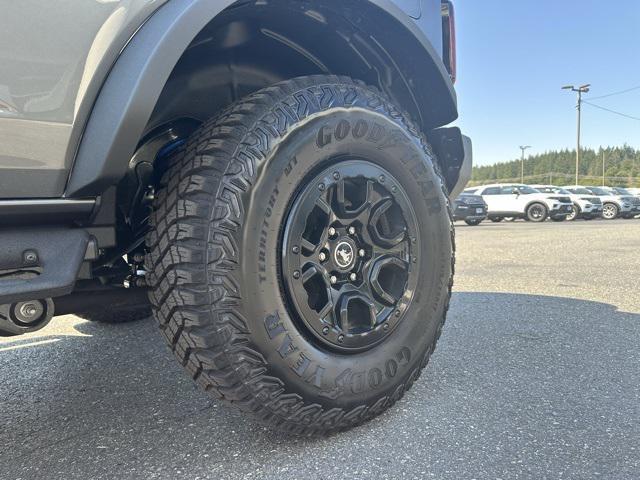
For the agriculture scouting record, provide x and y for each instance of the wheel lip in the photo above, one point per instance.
(394, 315)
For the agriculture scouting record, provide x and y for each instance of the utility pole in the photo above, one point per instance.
(580, 90)
(522, 148)
(603, 168)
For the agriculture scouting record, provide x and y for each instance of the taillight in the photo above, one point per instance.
(449, 38)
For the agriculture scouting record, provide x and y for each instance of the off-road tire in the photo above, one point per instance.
(530, 216)
(104, 314)
(213, 260)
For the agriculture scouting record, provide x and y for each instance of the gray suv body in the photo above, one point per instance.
(96, 98)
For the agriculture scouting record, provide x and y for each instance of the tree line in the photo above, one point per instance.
(621, 168)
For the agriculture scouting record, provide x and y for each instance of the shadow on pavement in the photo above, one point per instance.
(523, 385)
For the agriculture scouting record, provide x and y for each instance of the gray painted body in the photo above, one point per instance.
(55, 58)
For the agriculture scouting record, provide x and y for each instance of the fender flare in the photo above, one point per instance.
(130, 92)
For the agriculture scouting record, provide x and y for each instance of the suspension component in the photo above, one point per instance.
(25, 317)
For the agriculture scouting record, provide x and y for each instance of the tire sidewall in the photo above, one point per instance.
(542, 218)
(307, 369)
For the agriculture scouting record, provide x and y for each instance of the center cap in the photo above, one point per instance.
(344, 255)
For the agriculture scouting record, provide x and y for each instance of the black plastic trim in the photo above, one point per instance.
(58, 210)
(454, 152)
(38, 263)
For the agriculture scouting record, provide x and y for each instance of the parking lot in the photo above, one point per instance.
(536, 376)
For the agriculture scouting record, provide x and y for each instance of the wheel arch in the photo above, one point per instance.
(532, 202)
(127, 105)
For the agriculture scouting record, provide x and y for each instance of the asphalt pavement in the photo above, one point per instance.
(537, 375)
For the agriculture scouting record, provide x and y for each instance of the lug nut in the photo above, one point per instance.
(332, 231)
(394, 189)
(295, 249)
(381, 178)
(322, 256)
(325, 330)
(341, 338)
(336, 176)
(352, 230)
(361, 252)
(385, 327)
(296, 274)
(353, 277)
(397, 313)
(321, 187)
(333, 279)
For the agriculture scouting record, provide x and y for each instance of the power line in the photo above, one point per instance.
(637, 87)
(611, 111)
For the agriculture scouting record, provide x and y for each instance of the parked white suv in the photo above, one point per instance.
(613, 205)
(585, 204)
(523, 201)
(627, 196)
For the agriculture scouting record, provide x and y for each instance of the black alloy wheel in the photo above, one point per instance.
(348, 250)
(537, 212)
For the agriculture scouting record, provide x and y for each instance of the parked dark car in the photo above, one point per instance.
(470, 208)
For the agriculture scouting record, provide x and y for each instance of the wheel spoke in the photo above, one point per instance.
(388, 279)
(324, 206)
(377, 216)
(361, 194)
(308, 246)
(326, 310)
(309, 273)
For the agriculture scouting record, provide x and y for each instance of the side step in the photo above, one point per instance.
(39, 263)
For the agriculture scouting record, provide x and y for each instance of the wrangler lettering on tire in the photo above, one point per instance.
(301, 254)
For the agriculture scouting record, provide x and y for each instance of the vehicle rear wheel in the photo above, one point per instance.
(537, 212)
(301, 254)
(473, 223)
(575, 212)
(610, 211)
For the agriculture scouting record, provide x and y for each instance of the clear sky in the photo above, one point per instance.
(513, 57)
